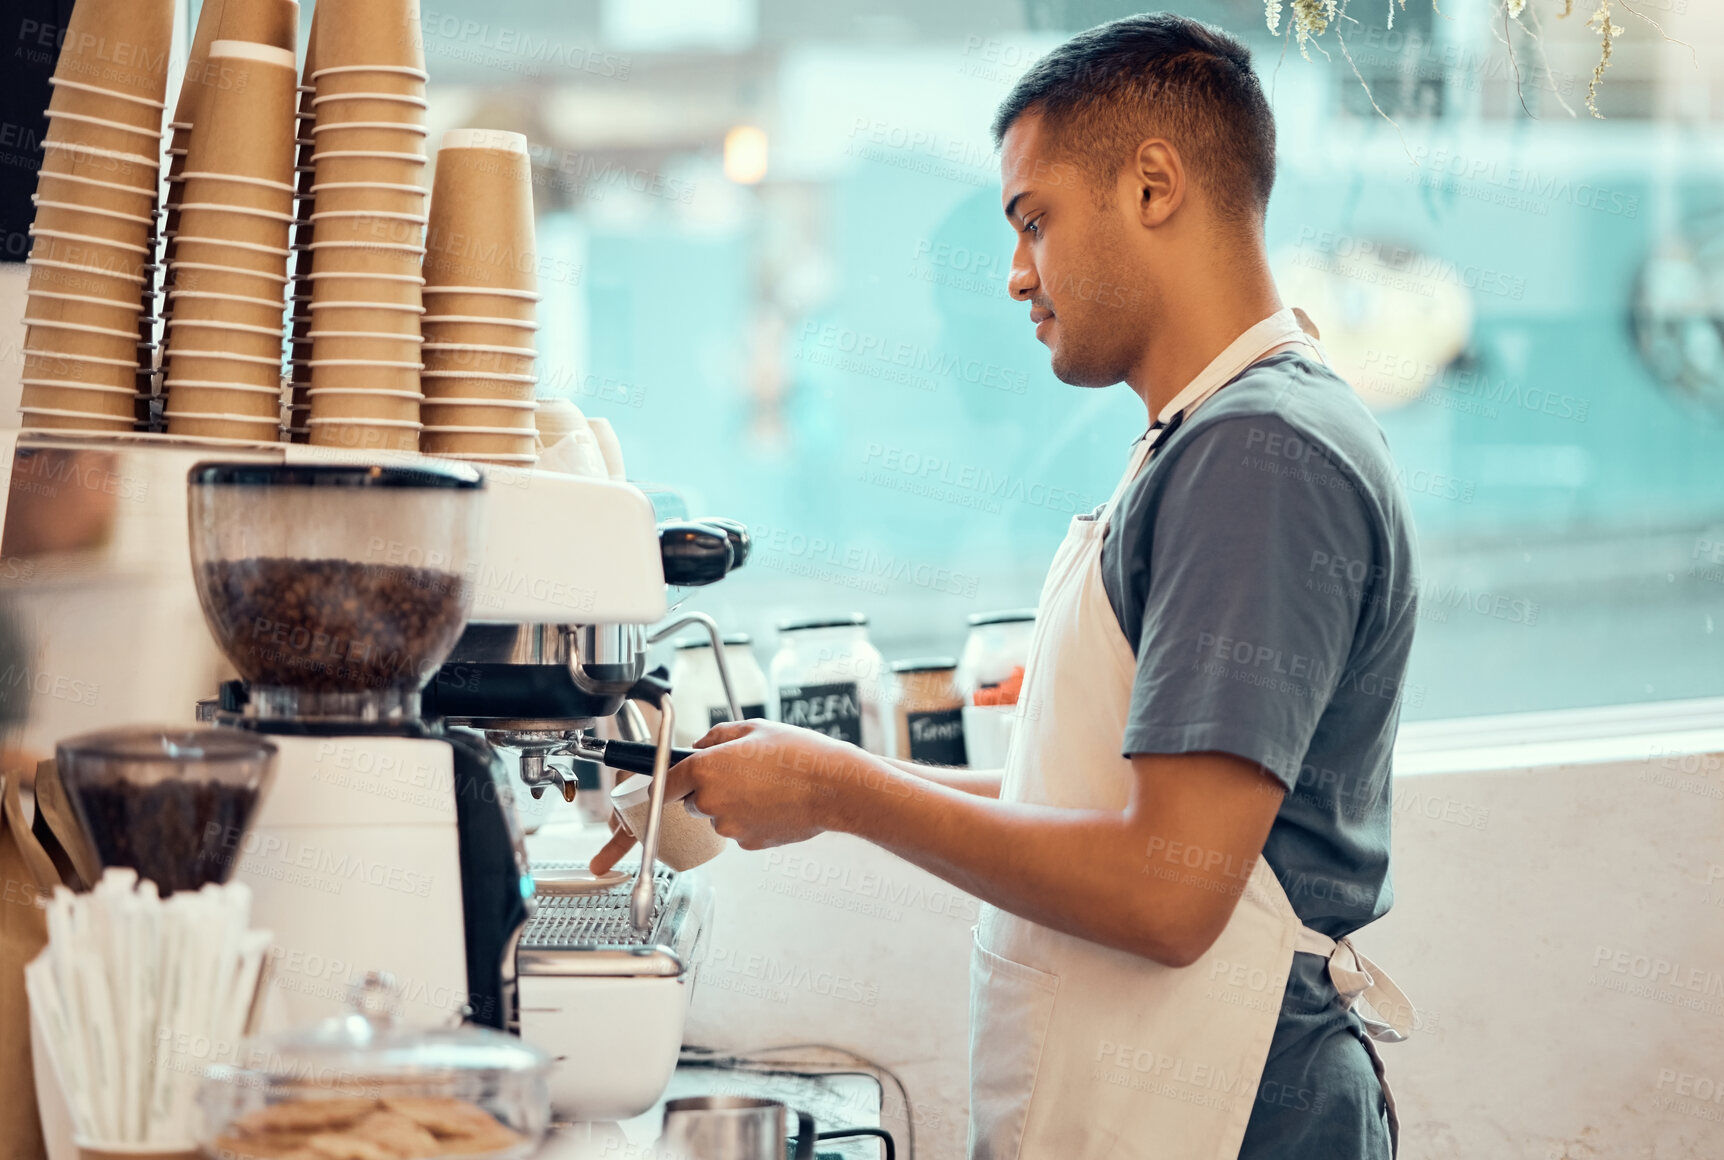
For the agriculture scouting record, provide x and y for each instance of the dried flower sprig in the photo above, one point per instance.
(1312, 18)
(1608, 31)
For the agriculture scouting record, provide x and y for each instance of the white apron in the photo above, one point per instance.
(1078, 1050)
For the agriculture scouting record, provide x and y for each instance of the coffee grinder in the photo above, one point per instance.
(387, 842)
(342, 592)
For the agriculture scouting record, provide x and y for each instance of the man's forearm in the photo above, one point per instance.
(1078, 871)
(981, 782)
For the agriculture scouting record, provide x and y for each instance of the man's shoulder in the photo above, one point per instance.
(1291, 410)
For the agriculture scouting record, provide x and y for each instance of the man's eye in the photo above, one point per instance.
(1034, 227)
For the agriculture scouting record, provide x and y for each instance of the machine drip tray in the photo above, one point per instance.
(590, 933)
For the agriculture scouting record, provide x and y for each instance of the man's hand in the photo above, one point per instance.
(762, 783)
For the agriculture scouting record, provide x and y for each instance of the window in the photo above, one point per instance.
(779, 270)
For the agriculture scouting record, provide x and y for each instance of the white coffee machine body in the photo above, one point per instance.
(354, 865)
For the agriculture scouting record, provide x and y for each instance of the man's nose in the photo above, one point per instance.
(1021, 282)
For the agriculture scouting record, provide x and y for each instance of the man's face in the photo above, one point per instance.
(1075, 261)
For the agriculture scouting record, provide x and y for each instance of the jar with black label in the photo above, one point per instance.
(827, 676)
(698, 693)
(927, 712)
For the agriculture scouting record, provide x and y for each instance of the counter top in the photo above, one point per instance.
(839, 1100)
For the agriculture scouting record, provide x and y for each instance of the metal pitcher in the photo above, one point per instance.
(740, 1128)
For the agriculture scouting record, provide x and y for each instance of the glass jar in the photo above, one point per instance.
(998, 643)
(698, 693)
(174, 804)
(361, 1080)
(927, 712)
(826, 676)
(335, 589)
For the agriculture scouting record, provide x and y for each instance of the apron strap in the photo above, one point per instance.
(1357, 977)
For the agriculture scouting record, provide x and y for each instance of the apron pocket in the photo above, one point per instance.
(1011, 1006)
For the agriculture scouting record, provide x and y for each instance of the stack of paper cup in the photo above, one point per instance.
(480, 297)
(269, 22)
(229, 265)
(95, 213)
(367, 226)
(299, 288)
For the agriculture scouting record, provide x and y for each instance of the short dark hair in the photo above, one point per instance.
(1107, 90)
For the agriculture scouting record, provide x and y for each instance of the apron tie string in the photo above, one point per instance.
(1390, 1013)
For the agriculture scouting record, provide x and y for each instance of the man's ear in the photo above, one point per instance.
(1157, 175)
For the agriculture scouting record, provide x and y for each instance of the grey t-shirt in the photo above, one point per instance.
(1262, 567)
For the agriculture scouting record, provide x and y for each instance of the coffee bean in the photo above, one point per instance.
(178, 834)
(333, 626)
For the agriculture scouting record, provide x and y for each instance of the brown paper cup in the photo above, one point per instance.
(112, 400)
(359, 79)
(96, 194)
(444, 413)
(481, 218)
(477, 329)
(369, 33)
(45, 419)
(126, 257)
(367, 375)
(102, 132)
(111, 166)
(247, 125)
(448, 385)
(67, 394)
(369, 167)
(435, 442)
(354, 435)
(200, 307)
(192, 90)
(194, 398)
(49, 275)
(75, 217)
(342, 344)
(358, 403)
(375, 318)
(71, 367)
(235, 338)
(210, 278)
(271, 22)
(121, 45)
(231, 223)
(478, 360)
(83, 340)
(338, 108)
(225, 427)
(369, 227)
(270, 261)
(210, 188)
(523, 307)
(52, 277)
(367, 258)
(385, 137)
(190, 365)
(94, 100)
(344, 286)
(370, 197)
(52, 306)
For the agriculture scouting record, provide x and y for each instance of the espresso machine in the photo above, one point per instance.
(342, 593)
(600, 968)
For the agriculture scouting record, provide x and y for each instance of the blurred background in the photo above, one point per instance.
(773, 257)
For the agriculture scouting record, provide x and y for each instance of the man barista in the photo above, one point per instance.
(1196, 802)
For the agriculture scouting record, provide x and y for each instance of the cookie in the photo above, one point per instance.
(304, 1116)
(396, 1132)
(445, 1116)
(346, 1146)
(272, 1146)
